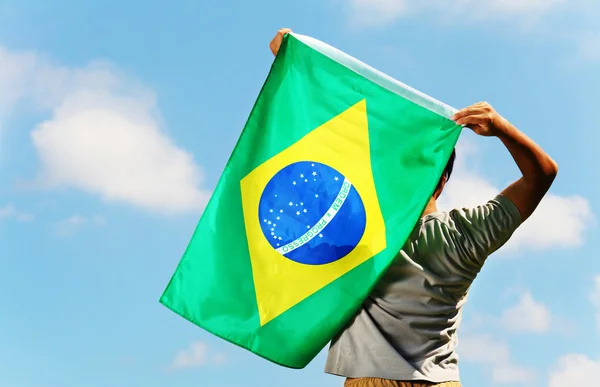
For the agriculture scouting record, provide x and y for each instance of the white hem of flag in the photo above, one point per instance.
(378, 77)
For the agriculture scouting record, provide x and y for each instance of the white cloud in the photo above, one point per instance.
(381, 12)
(11, 212)
(559, 221)
(14, 71)
(196, 355)
(69, 225)
(527, 316)
(510, 373)
(494, 356)
(595, 299)
(104, 135)
(72, 224)
(482, 349)
(574, 370)
(466, 189)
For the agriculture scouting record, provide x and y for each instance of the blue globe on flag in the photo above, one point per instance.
(311, 213)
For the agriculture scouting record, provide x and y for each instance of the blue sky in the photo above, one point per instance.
(88, 242)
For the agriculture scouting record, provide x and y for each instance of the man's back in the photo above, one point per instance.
(406, 329)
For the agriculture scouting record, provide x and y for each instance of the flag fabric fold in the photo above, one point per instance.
(332, 171)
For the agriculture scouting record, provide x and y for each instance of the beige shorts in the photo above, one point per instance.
(375, 382)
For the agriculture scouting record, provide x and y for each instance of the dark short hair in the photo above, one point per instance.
(448, 170)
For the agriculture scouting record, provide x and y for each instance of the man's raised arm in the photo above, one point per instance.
(537, 168)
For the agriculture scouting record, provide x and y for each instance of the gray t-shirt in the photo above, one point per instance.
(406, 329)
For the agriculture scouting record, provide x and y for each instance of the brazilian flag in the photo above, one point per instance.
(333, 169)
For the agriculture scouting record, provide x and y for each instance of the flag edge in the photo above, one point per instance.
(378, 77)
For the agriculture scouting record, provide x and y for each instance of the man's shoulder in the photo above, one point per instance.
(487, 226)
(499, 207)
(495, 219)
(497, 204)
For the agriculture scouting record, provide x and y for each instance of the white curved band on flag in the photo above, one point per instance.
(322, 223)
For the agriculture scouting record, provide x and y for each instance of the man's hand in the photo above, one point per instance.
(277, 40)
(481, 118)
(538, 169)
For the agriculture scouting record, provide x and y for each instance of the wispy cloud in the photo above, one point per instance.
(11, 212)
(70, 225)
(574, 370)
(595, 299)
(527, 316)
(495, 357)
(567, 23)
(196, 355)
(524, 316)
(103, 135)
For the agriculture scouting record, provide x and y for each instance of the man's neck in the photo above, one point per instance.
(431, 207)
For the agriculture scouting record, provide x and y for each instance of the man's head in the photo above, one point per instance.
(445, 176)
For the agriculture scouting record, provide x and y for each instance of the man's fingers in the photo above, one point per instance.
(459, 114)
(472, 120)
(276, 42)
(475, 109)
(284, 31)
(468, 111)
